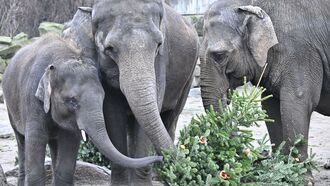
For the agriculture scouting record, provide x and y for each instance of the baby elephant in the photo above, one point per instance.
(52, 93)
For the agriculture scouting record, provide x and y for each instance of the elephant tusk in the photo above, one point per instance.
(83, 135)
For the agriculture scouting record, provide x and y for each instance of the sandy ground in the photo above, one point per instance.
(319, 139)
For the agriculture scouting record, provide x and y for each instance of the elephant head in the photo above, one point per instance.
(130, 37)
(235, 45)
(73, 95)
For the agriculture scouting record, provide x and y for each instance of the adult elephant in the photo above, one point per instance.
(147, 53)
(52, 92)
(241, 36)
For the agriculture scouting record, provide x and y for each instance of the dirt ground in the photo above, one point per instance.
(319, 137)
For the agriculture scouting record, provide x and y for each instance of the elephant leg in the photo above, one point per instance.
(20, 149)
(115, 115)
(67, 151)
(21, 158)
(35, 148)
(170, 117)
(272, 106)
(296, 113)
(299, 96)
(141, 147)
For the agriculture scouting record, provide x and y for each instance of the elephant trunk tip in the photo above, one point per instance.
(157, 158)
(146, 161)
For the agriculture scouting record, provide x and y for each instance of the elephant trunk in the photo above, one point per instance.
(214, 85)
(92, 122)
(138, 84)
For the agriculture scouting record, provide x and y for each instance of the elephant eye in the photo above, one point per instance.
(219, 57)
(71, 103)
(110, 51)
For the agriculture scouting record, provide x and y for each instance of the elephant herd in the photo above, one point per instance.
(122, 70)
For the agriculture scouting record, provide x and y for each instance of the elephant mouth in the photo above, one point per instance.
(111, 79)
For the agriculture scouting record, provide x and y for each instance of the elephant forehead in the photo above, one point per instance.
(226, 17)
(125, 8)
(74, 69)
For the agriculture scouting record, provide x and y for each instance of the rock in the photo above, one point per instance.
(3, 180)
(1, 92)
(46, 27)
(3, 65)
(327, 165)
(1, 77)
(21, 39)
(34, 39)
(5, 40)
(20, 36)
(9, 51)
(86, 174)
(9, 46)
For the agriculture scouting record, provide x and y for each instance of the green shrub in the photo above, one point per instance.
(281, 169)
(214, 149)
(89, 153)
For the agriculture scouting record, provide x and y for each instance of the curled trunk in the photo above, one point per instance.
(93, 124)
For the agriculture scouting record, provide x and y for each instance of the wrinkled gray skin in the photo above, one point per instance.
(51, 94)
(147, 53)
(239, 39)
(79, 30)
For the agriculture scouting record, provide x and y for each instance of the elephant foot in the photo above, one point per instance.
(119, 176)
(35, 182)
(142, 176)
(119, 182)
(135, 183)
(142, 183)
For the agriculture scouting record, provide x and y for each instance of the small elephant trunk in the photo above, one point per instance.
(93, 123)
(214, 86)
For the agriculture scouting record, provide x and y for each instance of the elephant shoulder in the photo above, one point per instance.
(180, 33)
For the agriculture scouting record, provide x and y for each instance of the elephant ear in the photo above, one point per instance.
(162, 28)
(44, 89)
(261, 33)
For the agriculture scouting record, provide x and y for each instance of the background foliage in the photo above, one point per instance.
(89, 153)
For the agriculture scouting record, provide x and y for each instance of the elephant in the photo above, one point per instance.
(146, 53)
(52, 93)
(292, 37)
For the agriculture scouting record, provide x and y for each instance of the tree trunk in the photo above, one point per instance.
(26, 15)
